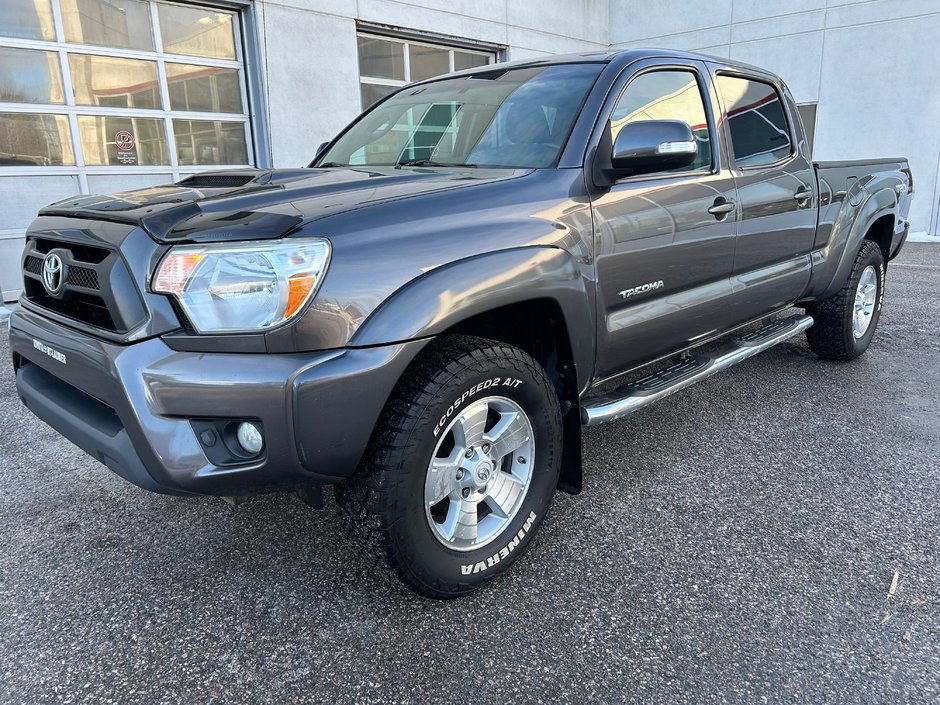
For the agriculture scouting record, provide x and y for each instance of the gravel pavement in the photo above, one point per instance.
(735, 543)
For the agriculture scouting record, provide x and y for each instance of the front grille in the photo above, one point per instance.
(80, 253)
(85, 308)
(33, 265)
(83, 277)
(94, 291)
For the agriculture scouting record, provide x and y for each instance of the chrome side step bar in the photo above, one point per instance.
(643, 392)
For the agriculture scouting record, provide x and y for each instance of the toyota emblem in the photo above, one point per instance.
(52, 271)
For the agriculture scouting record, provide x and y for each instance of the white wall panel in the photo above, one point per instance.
(873, 105)
(312, 84)
(796, 58)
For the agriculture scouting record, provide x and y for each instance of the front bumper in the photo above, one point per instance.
(132, 406)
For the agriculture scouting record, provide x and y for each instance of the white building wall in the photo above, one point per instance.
(871, 65)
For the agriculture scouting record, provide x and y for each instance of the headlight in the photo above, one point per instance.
(243, 286)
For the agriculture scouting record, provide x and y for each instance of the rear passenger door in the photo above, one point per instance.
(776, 188)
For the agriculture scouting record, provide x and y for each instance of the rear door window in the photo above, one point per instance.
(759, 131)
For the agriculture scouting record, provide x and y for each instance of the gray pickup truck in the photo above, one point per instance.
(427, 315)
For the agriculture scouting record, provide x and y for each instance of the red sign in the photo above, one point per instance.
(125, 143)
(124, 140)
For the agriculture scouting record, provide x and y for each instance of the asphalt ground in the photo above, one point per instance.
(735, 543)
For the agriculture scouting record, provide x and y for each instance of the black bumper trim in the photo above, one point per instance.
(91, 425)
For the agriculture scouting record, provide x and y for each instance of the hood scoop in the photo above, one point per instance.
(223, 180)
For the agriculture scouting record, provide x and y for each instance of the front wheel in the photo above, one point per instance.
(461, 470)
(844, 324)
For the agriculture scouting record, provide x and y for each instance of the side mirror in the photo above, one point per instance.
(320, 150)
(650, 146)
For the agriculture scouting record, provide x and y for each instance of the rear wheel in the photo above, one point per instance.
(844, 324)
(461, 470)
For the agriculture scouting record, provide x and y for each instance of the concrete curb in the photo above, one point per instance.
(923, 237)
(4, 313)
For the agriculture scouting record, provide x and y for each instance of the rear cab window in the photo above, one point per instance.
(760, 133)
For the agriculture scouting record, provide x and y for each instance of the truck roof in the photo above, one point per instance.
(621, 56)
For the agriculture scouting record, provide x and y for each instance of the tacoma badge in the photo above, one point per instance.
(627, 293)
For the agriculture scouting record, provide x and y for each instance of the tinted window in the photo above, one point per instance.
(503, 118)
(759, 133)
(666, 95)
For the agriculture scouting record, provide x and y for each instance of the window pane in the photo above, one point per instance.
(427, 62)
(103, 80)
(210, 142)
(28, 19)
(28, 76)
(123, 24)
(381, 59)
(808, 118)
(196, 31)
(520, 118)
(121, 141)
(31, 140)
(666, 95)
(463, 60)
(204, 89)
(759, 132)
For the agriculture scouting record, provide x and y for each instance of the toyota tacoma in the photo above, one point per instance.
(426, 315)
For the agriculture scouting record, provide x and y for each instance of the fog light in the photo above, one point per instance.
(249, 437)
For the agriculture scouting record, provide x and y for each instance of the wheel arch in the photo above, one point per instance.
(867, 221)
(534, 298)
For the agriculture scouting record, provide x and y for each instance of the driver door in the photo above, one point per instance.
(664, 242)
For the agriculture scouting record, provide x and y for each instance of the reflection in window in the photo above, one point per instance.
(122, 141)
(26, 19)
(210, 142)
(105, 80)
(35, 140)
(196, 31)
(666, 95)
(121, 24)
(29, 76)
(518, 119)
(759, 132)
(205, 89)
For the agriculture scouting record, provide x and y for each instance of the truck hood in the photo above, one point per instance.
(265, 203)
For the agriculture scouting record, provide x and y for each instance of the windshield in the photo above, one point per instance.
(501, 118)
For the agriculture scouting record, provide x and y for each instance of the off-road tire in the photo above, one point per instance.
(383, 504)
(831, 336)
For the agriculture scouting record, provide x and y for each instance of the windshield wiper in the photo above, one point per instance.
(327, 165)
(430, 162)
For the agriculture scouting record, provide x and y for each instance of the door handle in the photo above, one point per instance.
(803, 195)
(721, 208)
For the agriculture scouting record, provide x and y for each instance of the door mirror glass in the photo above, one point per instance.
(649, 146)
